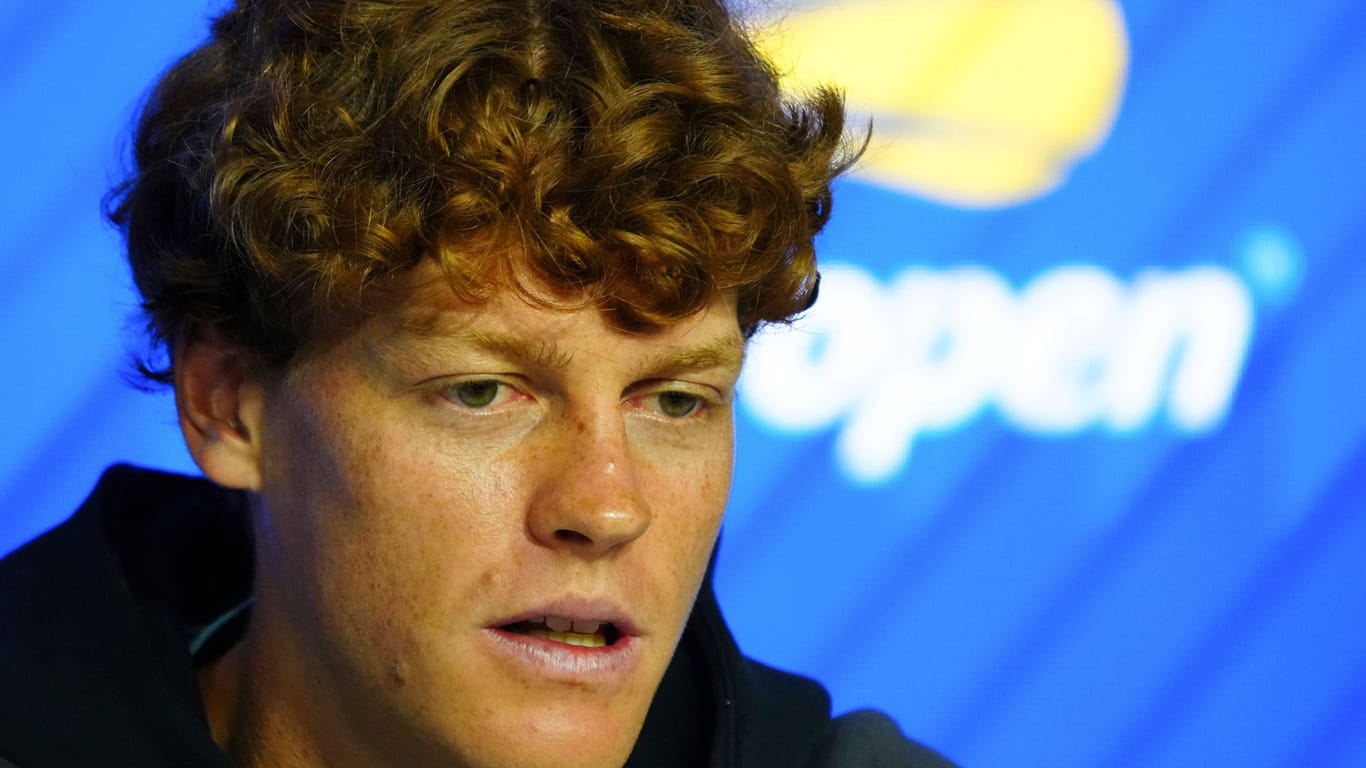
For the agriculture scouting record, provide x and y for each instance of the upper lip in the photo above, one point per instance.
(576, 609)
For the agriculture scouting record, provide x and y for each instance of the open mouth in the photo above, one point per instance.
(585, 634)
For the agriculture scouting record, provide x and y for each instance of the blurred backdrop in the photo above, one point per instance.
(1068, 465)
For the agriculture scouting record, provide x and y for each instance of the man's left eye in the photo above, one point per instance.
(677, 405)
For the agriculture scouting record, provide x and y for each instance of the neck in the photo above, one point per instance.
(220, 686)
(267, 706)
(249, 727)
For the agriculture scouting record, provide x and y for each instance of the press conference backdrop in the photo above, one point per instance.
(1065, 468)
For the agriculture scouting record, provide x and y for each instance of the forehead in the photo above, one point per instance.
(423, 311)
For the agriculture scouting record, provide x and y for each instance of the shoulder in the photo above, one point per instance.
(769, 718)
(870, 739)
(93, 639)
(791, 714)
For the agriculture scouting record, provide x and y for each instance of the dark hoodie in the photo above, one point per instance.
(97, 618)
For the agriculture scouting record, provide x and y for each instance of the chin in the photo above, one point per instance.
(582, 737)
(574, 754)
(565, 734)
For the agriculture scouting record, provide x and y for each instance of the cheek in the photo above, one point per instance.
(417, 518)
(376, 524)
(688, 507)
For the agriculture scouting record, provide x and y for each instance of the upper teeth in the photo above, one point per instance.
(562, 624)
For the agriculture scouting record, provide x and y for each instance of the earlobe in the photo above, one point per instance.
(220, 404)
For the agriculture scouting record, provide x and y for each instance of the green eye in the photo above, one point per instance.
(476, 394)
(676, 405)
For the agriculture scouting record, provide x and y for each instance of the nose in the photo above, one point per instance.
(589, 501)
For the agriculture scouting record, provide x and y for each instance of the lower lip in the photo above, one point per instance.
(603, 666)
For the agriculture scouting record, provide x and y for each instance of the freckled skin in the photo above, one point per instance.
(396, 524)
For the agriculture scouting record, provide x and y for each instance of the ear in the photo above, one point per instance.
(221, 404)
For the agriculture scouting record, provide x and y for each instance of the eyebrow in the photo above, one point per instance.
(431, 336)
(435, 332)
(726, 351)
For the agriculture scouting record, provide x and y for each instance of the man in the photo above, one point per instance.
(454, 297)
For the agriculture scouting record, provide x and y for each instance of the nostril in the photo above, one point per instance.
(571, 537)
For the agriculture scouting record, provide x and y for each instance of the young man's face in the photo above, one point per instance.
(486, 527)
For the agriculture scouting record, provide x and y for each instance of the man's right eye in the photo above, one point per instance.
(479, 393)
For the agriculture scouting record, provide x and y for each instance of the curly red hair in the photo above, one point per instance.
(632, 153)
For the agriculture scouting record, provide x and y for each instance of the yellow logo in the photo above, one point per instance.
(975, 103)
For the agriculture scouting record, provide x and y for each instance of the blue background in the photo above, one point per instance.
(1146, 597)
